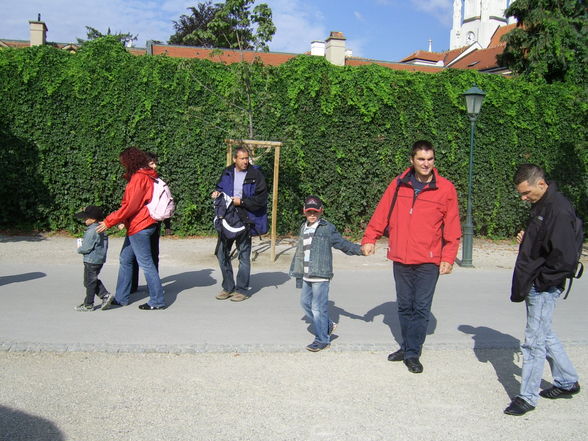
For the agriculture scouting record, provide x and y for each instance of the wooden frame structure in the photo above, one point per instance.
(251, 145)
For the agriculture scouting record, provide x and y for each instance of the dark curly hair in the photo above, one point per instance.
(133, 159)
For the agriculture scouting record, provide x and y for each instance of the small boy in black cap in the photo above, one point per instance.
(93, 246)
(312, 266)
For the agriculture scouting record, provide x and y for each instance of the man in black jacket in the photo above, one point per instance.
(547, 255)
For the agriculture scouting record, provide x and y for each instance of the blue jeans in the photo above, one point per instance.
(541, 343)
(415, 286)
(223, 254)
(138, 246)
(314, 299)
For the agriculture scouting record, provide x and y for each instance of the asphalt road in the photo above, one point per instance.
(205, 369)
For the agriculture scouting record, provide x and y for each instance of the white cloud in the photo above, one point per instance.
(440, 9)
(66, 20)
(298, 23)
(359, 16)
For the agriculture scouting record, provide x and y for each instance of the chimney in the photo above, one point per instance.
(335, 48)
(317, 48)
(38, 32)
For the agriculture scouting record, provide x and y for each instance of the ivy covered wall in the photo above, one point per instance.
(64, 118)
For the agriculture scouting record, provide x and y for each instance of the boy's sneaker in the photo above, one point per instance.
(108, 302)
(84, 308)
(315, 346)
(332, 327)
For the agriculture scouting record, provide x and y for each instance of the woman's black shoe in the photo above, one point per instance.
(148, 307)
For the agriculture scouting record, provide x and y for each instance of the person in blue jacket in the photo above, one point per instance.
(312, 267)
(246, 186)
(93, 246)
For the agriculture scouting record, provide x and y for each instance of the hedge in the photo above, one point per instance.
(64, 118)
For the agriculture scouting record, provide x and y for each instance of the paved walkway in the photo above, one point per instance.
(205, 369)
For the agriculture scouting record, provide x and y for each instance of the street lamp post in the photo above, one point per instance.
(474, 98)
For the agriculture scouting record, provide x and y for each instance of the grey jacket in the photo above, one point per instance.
(325, 238)
(94, 245)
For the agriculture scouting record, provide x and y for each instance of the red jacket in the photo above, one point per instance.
(425, 229)
(133, 210)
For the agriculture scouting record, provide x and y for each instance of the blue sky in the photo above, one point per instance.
(379, 29)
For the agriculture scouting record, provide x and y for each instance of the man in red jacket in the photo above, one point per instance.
(420, 210)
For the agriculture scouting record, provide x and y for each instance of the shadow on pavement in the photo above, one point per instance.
(25, 277)
(267, 279)
(335, 314)
(389, 311)
(16, 425)
(34, 238)
(176, 283)
(501, 351)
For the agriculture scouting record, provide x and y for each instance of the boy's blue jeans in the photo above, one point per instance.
(541, 343)
(314, 299)
(138, 246)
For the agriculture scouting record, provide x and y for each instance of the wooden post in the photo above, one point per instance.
(252, 145)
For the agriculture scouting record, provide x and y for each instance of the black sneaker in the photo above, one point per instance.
(332, 327)
(518, 407)
(315, 346)
(84, 308)
(396, 356)
(413, 365)
(557, 392)
(148, 307)
(109, 302)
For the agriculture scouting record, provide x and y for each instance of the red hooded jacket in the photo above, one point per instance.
(422, 229)
(133, 210)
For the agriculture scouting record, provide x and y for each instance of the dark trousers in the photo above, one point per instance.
(93, 285)
(223, 254)
(415, 286)
(154, 255)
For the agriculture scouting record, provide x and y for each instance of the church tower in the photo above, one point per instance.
(476, 21)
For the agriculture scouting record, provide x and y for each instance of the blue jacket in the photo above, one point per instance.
(254, 200)
(94, 245)
(325, 238)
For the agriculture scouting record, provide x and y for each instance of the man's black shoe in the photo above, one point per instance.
(413, 365)
(148, 307)
(518, 407)
(396, 356)
(557, 392)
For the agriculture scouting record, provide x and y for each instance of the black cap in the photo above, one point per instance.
(91, 212)
(313, 203)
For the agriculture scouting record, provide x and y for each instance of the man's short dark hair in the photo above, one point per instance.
(529, 172)
(241, 149)
(421, 145)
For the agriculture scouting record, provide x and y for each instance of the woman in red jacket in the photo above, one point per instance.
(140, 226)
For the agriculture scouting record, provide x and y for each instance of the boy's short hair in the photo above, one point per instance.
(313, 203)
(91, 212)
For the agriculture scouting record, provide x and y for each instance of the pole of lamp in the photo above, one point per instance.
(468, 228)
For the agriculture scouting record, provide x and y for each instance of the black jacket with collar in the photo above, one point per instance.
(547, 254)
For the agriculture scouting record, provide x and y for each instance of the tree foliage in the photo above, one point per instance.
(64, 119)
(93, 34)
(550, 42)
(234, 24)
(188, 26)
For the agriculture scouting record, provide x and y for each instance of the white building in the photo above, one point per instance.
(477, 21)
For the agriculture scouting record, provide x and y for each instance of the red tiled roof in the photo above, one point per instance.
(480, 59)
(221, 55)
(453, 54)
(500, 31)
(424, 55)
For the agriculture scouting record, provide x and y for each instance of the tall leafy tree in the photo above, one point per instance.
(187, 26)
(234, 24)
(550, 42)
(94, 33)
